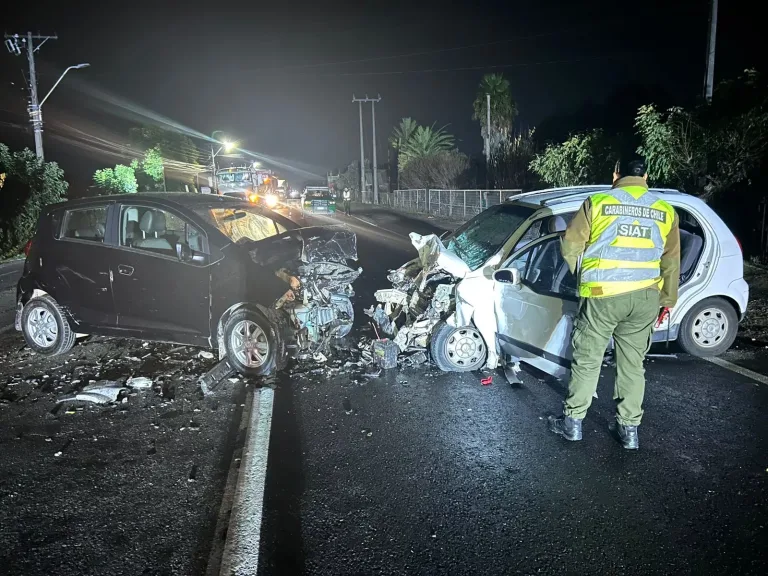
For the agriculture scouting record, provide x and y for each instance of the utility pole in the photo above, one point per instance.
(709, 76)
(362, 147)
(375, 165)
(35, 116)
(488, 141)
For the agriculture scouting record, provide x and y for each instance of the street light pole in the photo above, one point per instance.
(76, 67)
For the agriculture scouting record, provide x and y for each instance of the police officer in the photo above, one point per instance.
(347, 194)
(624, 246)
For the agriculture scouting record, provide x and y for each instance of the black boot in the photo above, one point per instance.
(626, 435)
(567, 427)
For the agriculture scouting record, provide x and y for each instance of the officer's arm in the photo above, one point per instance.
(670, 267)
(576, 236)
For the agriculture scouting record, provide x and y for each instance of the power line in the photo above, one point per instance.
(412, 54)
(469, 68)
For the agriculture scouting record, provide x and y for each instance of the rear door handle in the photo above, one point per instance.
(125, 270)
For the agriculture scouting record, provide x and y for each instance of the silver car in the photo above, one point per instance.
(516, 299)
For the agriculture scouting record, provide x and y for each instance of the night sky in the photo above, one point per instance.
(279, 76)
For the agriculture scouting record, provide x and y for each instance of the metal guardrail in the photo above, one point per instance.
(449, 204)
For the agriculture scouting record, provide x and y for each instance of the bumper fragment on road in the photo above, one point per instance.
(241, 550)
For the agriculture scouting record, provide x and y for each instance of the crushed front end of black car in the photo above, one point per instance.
(314, 264)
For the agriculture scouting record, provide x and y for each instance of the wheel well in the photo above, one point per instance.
(733, 304)
(735, 307)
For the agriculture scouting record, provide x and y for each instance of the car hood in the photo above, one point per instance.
(308, 245)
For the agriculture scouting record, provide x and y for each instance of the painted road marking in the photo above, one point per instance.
(370, 223)
(738, 369)
(241, 551)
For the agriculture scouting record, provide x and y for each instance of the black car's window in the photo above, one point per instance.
(157, 231)
(85, 224)
(242, 224)
(543, 269)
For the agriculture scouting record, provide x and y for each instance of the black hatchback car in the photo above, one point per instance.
(191, 269)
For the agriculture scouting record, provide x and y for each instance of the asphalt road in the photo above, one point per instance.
(416, 472)
(421, 472)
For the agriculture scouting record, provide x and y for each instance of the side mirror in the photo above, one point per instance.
(507, 276)
(183, 252)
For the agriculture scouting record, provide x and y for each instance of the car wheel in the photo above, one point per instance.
(457, 349)
(250, 341)
(709, 328)
(45, 327)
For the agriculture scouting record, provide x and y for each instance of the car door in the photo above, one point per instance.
(76, 269)
(161, 275)
(535, 316)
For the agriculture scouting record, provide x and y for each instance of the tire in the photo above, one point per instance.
(45, 327)
(709, 328)
(266, 346)
(457, 349)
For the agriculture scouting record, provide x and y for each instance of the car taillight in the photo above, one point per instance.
(27, 248)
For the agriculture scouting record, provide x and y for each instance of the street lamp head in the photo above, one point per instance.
(229, 146)
(83, 65)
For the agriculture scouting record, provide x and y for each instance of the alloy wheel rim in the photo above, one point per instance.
(42, 327)
(249, 343)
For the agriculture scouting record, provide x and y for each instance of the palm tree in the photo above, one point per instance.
(503, 108)
(401, 134)
(427, 140)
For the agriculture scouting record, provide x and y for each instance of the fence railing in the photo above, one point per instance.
(449, 204)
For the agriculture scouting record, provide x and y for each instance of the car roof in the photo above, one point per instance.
(553, 196)
(188, 200)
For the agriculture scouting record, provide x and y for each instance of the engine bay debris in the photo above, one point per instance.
(314, 264)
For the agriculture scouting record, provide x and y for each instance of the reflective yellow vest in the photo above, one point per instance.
(630, 226)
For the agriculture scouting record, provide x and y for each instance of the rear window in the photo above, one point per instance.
(88, 224)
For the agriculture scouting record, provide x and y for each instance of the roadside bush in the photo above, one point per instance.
(586, 158)
(445, 170)
(26, 185)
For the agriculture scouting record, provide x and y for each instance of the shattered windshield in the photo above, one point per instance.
(245, 223)
(486, 233)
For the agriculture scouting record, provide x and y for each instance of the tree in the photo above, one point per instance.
(27, 184)
(445, 169)
(426, 140)
(700, 152)
(509, 167)
(152, 164)
(400, 136)
(118, 180)
(171, 145)
(586, 158)
(503, 109)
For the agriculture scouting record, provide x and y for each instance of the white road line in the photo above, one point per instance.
(738, 369)
(222, 522)
(241, 551)
(369, 223)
